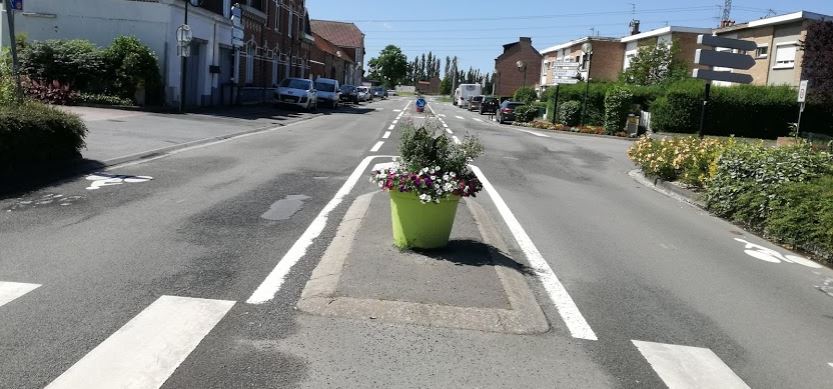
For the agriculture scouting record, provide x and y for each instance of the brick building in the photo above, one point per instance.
(508, 76)
(430, 86)
(686, 37)
(605, 63)
(350, 40)
(778, 58)
(329, 61)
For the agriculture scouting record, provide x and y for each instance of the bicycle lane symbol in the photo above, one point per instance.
(769, 255)
(100, 180)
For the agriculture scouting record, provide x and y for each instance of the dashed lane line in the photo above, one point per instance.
(391, 127)
(448, 131)
(477, 120)
(456, 139)
(274, 281)
(395, 121)
(146, 351)
(10, 291)
(386, 135)
(689, 367)
(460, 117)
(576, 324)
(377, 146)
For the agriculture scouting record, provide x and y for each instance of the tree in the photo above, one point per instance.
(818, 63)
(656, 64)
(391, 66)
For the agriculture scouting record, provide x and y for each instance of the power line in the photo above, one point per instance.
(550, 27)
(501, 18)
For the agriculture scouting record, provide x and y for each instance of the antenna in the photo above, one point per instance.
(592, 31)
(727, 11)
(770, 12)
(633, 10)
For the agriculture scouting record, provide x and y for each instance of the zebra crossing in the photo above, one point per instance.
(146, 350)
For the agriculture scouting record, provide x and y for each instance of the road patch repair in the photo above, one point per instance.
(472, 284)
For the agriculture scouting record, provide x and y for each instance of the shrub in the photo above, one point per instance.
(101, 99)
(802, 215)
(133, 66)
(53, 92)
(569, 112)
(77, 62)
(617, 105)
(677, 111)
(34, 133)
(575, 92)
(525, 113)
(748, 176)
(525, 95)
(689, 160)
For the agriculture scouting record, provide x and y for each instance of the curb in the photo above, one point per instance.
(680, 194)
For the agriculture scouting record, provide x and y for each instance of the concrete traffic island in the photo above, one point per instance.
(471, 284)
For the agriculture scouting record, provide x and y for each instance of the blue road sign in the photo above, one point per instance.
(420, 102)
(17, 5)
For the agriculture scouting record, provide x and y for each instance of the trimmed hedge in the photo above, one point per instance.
(36, 134)
(802, 215)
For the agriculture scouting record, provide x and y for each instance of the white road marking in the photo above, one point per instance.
(395, 121)
(460, 117)
(377, 146)
(392, 126)
(456, 139)
(273, 282)
(442, 115)
(106, 179)
(565, 305)
(769, 255)
(688, 367)
(533, 133)
(831, 364)
(383, 166)
(12, 290)
(477, 120)
(448, 131)
(146, 351)
(445, 125)
(386, 135)
(397, 110)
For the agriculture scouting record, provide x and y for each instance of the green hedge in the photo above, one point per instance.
(36, 134)
(802, 215)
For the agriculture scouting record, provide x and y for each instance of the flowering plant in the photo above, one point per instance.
(431, 166)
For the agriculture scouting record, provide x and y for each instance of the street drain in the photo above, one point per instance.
(284, 209)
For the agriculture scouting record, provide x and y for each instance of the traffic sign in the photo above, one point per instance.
(802, 91)
(237, 34)
(566, 81)
(712, 75)
(565, 64)
(724, 59)
(716, 41)
(17, 5)
(565, 73)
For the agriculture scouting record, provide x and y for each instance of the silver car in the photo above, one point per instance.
(297, 92)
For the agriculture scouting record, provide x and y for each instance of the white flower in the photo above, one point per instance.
(436, 168)
(445, 177)
(433, 178)
(424, 197)
(452, 174)
(431, 171)
(448, 187)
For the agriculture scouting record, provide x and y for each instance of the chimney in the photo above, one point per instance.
(526, 39)
(634, 25)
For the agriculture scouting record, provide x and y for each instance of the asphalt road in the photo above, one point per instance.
(91, 267)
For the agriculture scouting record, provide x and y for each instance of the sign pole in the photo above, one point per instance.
(13, 48)
(798, 124)
(184, 66)
(555, 106)
(706, 95)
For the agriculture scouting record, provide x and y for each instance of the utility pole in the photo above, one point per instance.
(183, 75)
(13, 47)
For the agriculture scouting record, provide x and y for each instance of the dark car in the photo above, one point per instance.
(379, 92)
(349, 93)
(506, 111)
(474, 103)
(489, 105)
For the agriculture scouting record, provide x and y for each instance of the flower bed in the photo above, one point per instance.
(545, 125)
(689, 160)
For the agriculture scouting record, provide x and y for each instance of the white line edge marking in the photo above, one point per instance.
(273, 282)
(831, 364)
(456, 139)
(147, 349)
(448, 131)
(688, 367)
(377, 146)
(445, 125)
(478, 120)
(576, 324)
(395, 121)
(533, 133)
(391, 127)
(386, 135)
(459, 117)
(10, 291)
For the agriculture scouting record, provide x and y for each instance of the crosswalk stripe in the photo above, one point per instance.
(688, 367)
(12, 290)
(146, 351)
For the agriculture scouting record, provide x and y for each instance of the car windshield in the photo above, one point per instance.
(325, 87)
(295, 83)
(477, 98)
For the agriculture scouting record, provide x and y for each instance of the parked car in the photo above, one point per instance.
(474, 103)
(328, 92)
(349, 93)
(379, 92)
(489, 105)
(364, 93)
(297, 92)
(506, 111)
(392, 92)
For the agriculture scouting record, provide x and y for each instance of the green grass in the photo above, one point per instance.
(444, 99)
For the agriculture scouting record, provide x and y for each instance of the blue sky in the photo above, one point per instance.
(482, 27)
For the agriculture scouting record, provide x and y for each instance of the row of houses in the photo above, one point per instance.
(280, 39)
(778, 56)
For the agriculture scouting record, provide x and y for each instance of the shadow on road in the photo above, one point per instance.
(467, 252)
(37, 177)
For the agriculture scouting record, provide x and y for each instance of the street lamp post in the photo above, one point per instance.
(588, 52)
(184, 41)
(522, 67)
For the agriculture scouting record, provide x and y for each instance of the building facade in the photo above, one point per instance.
(685, 37)
(154, 22)
(778, 57)
(508, 75)
(329, 61)
(350, 40)
(604, 65)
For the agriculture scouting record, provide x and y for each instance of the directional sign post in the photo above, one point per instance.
(802, 98)
(723, 59)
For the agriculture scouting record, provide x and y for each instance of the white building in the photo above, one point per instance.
(154, 22)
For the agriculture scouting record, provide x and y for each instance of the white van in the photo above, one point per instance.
(329, 92)
(464, 92)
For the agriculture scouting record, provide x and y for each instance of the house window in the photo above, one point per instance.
(785, 56)
(278, 13)
(762, 52)
(289, 24)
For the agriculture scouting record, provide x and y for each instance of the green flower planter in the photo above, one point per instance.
(417, 225)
